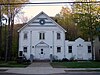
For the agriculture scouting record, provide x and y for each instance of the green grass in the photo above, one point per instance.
(13, 64)
(84, 64)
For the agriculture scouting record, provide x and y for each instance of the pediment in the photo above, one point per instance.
(42, 20)
(42, 44)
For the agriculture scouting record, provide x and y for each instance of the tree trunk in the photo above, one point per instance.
(11, 37)
(0, 32)
(5, 44)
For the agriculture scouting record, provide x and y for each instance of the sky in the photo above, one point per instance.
(30, 11)
(51, 10)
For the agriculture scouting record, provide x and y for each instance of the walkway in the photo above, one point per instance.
(37, 68)
(44, 68)
(40, 64)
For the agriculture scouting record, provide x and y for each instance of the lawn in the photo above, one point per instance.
(13, 64)
(82, 64)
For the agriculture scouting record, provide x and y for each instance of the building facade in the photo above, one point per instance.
(42, 37)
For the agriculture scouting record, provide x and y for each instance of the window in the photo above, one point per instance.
(58, 36)
(99, 51)
(41, 36)
(99, 38)
(58, 49)
(20, 53)
(41, 51)
(25, 35)
(25, 49)
(69, 49)
(89, 49)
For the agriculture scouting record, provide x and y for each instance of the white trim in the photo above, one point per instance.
(39, 15)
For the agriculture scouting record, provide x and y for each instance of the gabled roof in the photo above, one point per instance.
(38, 16)
(79, 39)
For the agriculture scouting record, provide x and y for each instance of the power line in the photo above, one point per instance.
(47, 3)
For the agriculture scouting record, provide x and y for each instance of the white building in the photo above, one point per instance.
(42, 36)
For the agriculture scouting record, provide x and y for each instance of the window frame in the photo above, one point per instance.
(99, 38)
(89, 49)
(58, 35)
(59, 50)
(42, 52)
(99, 51)
(25, 51)
(20, 53)
(69, 49)
(41, 35)
(25, 36)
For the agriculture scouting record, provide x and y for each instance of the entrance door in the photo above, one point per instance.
(79, 53)
(42, 53)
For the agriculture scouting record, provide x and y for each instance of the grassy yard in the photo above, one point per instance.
(82, 64)
(13, 64)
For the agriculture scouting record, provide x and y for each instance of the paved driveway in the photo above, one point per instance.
(37, 68)
(78, 73)
(40, 64)
(45, 68)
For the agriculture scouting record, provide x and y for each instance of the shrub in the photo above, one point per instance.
(65, 60)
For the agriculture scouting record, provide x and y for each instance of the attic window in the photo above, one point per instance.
(80, 45)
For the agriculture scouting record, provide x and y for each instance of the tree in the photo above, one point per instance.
(0, 30)
(10, 11)
(65, 18)
(21, 18)
(86, 17)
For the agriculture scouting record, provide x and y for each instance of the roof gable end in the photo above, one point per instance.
(37, 16)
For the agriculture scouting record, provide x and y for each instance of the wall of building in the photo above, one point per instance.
(33, 30)
(50, 43)
(79, 50)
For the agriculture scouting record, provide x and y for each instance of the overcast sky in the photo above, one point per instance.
(51, 10)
